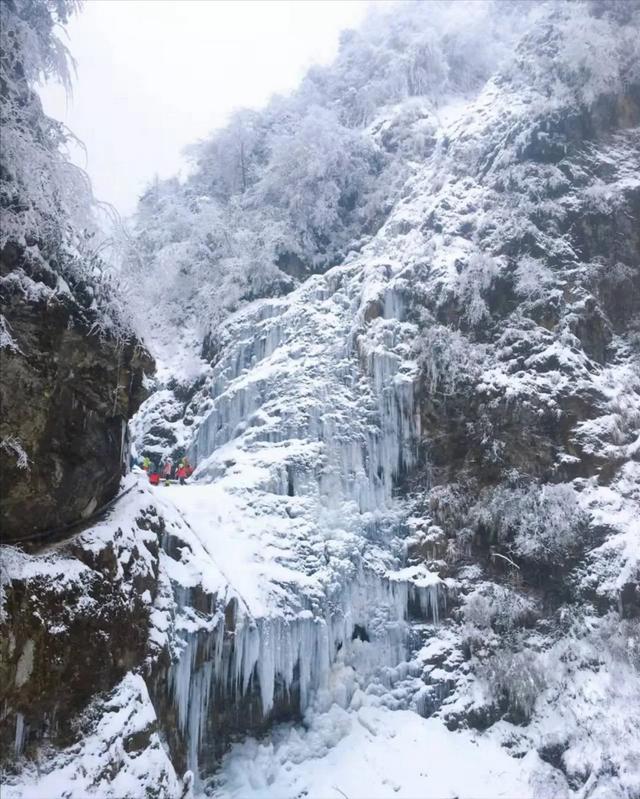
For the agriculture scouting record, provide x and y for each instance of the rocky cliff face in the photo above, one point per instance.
(48, 680)
(67, 394)
(75, 622)
(72, 370)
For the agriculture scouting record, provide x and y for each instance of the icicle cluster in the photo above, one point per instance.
(234, 657)
(300, 377)
(298, 373)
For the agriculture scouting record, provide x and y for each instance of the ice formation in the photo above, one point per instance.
(295, 655)
(328, 457)
(278, 583)
(309, 349)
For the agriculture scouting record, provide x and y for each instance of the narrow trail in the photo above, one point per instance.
(44, 538)
(57, 534)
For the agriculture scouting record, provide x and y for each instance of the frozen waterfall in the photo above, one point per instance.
(241, 661)
(298, 371)
(315, 394)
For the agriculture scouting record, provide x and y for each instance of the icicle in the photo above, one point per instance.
(223, 662)
(361, 463)
(20, 735)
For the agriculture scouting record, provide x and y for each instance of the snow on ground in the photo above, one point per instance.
(372, 752)
(616, 562)
(250, 546)
(120, 755)
(299, 431)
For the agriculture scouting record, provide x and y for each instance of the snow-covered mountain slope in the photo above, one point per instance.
(292, 189)
(287, 554)
(301, 430)
(416, 491)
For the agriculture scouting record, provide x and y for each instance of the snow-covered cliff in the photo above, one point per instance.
(412, 534)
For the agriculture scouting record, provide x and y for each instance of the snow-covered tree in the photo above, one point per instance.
(47, 209)
(293, 188)
(540, 524)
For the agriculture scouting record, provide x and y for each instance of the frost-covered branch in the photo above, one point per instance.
(12, 446)
(48, 212)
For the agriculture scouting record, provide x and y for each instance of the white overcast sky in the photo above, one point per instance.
(156, 75)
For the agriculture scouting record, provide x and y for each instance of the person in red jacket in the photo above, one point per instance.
(182, 473)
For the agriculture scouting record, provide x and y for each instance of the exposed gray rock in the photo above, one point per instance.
(67, 394)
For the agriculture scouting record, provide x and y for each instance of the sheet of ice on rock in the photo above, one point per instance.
(259, 550)
(374, 753)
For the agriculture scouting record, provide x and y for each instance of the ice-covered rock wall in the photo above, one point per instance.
(236, 673)
(305, 426)
(300, 372)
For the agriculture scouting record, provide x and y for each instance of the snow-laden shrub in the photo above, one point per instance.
(41, 191)
(461, 545)
(581, 56)
(7, 341)
(202, 248)
(47, 209)
(614, 434)
(541, 524)
(191, 261)
(514, 681)
(31, 50)
(533, 277)
(579, 691)
(13, 447)
(591, 705)
(448, 506)
(446, 358)
(474, 281)
(495, 606)
(422, 49)
(319, 174)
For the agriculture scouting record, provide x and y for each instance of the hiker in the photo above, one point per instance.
(154, 475)
(146, 463)
(182, 472)
(188, 467)
(167, 469)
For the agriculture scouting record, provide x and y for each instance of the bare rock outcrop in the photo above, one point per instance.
(67, 394)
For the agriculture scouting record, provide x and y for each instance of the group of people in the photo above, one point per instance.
(166, 470)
